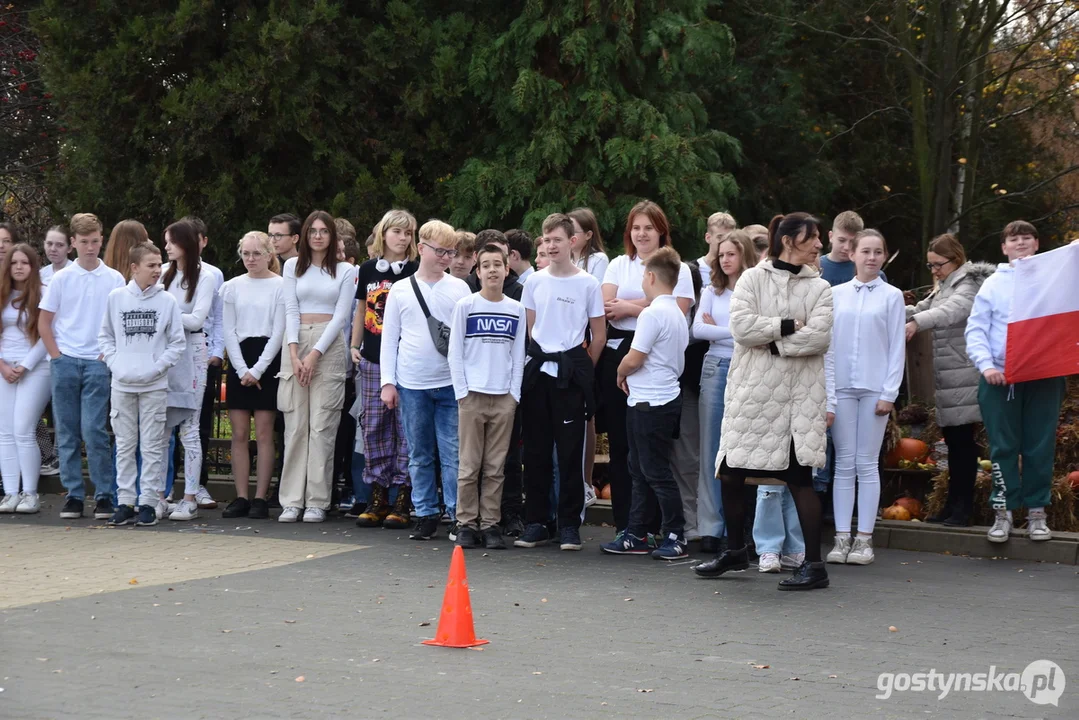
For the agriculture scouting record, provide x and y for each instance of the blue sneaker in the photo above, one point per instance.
(534, 534)
(673, 548)
(147, 516)
(123, 515)
(570, 538)
(625, 543)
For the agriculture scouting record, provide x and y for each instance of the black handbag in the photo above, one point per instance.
(440, 331)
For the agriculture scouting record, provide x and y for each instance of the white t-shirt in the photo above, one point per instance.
(705, 270)
(628, 275)
(46, 274)
(253, 307)
(595, 265)
(406, 335)
(662, 334)
(563, 307)
(487, 348)
(79, 299)
(14, 343)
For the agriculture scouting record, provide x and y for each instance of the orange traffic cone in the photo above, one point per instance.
(455, 627)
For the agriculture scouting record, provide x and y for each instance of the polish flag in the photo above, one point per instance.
(1043, 332)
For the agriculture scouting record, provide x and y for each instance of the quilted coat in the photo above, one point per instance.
(945, 312)
(770, 398)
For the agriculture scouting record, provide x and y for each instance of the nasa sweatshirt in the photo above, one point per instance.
(487, 346)
(141, 337)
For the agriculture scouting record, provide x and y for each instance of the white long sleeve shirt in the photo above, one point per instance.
(15, 346)
(487, 348)
(405, 333)
(215, 327)
(720, 340)
(317, 292)
(987, 326)
(253, 307)
(196, 312)
(868, 337)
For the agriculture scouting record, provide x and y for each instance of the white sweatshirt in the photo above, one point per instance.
(487, 349)
(868, 337)
(987, 326)
(406, 335)
(141, 337)
(721, 342)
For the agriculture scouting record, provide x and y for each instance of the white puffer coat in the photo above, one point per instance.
(773, 398)
(945, 312)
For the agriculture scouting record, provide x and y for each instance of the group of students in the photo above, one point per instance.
(481, 383)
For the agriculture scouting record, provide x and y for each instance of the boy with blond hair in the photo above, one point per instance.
(720, 225)
(837, 267)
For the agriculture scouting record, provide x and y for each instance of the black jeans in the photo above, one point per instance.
(206, 417)
(512, 486)
(553, 417)
(962, 467)
(344, 444)
(651, 439)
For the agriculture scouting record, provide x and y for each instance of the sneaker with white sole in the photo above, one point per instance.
(161, 509)
(290, 514)
(50, 468)
(861, 553)
(9, 503)
(185, 510)
(29, 503)
(792, 561)
(769, 563)
(1036, 527)
(589, 495)
(204, 499)
(313, 515)
(1002, 527)
(841, 550)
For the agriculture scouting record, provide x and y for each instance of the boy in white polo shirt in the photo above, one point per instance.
(487, 352)
(648, 374)
(561, 301)
(71, 314)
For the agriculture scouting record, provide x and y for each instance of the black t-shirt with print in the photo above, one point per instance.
(372, 289)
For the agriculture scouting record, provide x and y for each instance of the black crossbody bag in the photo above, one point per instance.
(440, 331)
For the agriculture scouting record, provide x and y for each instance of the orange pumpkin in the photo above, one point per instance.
(1073, 478)
(913, 506)
(909, 449)
(605, 492)
(895, 512)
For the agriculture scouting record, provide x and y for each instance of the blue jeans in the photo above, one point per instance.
(775, 528)
(80, 405)
(709, 496)
(430, 418)
(822, 477)
(361, 491)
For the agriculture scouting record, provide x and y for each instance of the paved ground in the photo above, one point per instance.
(263, 620)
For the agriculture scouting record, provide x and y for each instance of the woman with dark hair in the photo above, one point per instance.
(318, 298)
(647, 230)
(193, 289)
(26, 386)
(775, 416)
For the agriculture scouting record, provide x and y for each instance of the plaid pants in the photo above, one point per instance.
(44, 442)
(385, 448)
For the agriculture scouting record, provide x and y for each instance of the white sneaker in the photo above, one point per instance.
(9, 503)
(769, 563)
(589, 495)
(1002, 527)
(314, 515)
(185, 510)
(861, 552)
(50, 468)
(792, 561)
(30, 503)
(204, 499)
(841, 550)
(162, 508)
(290, 514)
(1036, 527)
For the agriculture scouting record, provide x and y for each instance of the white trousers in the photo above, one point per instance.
(858, 433)
(21, 405)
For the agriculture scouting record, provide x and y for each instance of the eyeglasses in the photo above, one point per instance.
(276, 237)
(441, 252)
(937, 266)
(318, 232)
(252, 255)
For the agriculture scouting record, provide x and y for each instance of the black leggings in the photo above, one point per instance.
(962, 467)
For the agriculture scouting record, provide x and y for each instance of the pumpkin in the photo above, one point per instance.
(908, 449)
(605, 492)
(895, 512)
(913, 506)
(1073, 478)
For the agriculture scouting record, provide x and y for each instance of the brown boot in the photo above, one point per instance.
(399, 518)
(377, 509)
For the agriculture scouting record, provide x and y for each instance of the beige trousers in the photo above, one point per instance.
(312, 415)
(484, 425)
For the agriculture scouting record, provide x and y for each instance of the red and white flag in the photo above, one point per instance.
(1043, 332)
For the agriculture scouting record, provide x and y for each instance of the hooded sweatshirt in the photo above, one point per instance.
(141, 337)
(987, 326)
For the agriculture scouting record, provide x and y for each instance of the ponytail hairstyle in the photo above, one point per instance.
(948, 246)
(265, 244)
(869, 232)
(27, 303)
(186, 236)
(587, 220)
(791, 225)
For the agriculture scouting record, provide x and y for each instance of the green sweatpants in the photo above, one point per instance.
(1021, 420)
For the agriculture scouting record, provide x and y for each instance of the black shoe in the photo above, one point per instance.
(808, 576)
(452, 532)
(709, 545)
(513, 526)
(944, 514)
(958, 519)
(468, 537)
(569, 538)
(240, 507)
(104, 509)
(147, 516)
(123, 515)
(492, 539)
(727, 561)
(535, 534)
(426, 528)
(73, 508)
(260, 510)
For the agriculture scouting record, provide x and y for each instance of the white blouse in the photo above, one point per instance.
(868, 338)
(318, 292)
(253, 307)
(14, 344)
(627, 274)
(721, 343)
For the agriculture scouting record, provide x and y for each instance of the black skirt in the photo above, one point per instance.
(794, 475)
(251, 397)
